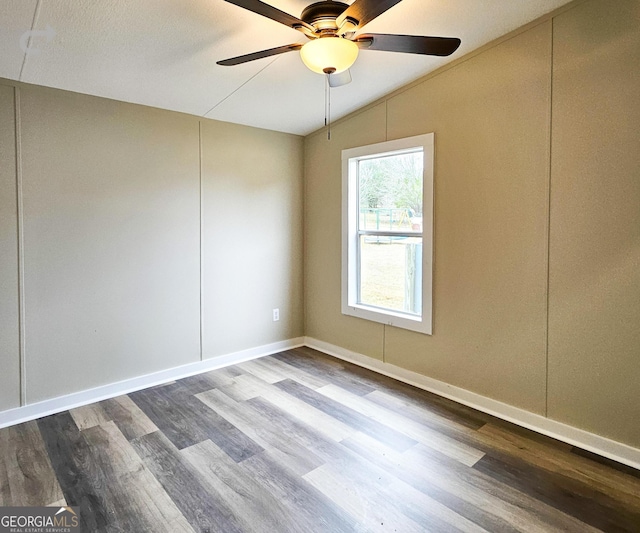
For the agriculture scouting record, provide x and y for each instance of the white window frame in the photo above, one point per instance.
(350, 212)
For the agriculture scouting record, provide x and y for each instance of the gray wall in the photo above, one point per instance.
(112, 240)
(9, 309)
(537, 221)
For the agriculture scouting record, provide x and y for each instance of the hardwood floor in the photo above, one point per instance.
(302, 442)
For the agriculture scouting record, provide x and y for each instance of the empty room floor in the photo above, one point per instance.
(302, 442)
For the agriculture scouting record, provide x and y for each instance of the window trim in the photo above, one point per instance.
(350, 271)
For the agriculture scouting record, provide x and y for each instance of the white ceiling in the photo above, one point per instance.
(163, 53)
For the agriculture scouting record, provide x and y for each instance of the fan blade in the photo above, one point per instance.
(411, 44)
(273, 13)
(340, 79)
(259, 55)
(364, 11)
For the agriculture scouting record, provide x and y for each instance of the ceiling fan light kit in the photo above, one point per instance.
(332, 26)
(329, 55)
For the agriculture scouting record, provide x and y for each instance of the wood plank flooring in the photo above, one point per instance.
(302, 442)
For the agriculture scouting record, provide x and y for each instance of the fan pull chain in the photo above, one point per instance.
(327, 107)
(327, 101)
(326, 90)
(329, 110)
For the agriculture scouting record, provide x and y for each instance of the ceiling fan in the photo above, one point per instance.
(333, 45)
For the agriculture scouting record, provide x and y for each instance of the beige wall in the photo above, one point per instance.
(489, 245)
(112, 240)
(323, 212)
(594, 290)
(545, 120)
(252, 193)
(9, 311)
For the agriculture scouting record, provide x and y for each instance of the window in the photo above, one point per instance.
(387, 232)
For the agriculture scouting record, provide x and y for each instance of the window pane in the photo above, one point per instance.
(391, 273)
(390, 192)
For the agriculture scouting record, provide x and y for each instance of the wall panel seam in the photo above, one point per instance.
(20, 226)
(548, 250)
(303, 206)
(201, 238)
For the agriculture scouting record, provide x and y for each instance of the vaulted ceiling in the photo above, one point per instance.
(163, 53)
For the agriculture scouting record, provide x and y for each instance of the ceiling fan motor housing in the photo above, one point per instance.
(322, 15)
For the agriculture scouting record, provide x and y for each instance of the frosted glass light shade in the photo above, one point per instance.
(329, 53)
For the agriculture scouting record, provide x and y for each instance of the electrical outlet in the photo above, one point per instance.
(276, 315)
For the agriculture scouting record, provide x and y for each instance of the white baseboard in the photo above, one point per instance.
(614, 450)
(78, 399)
